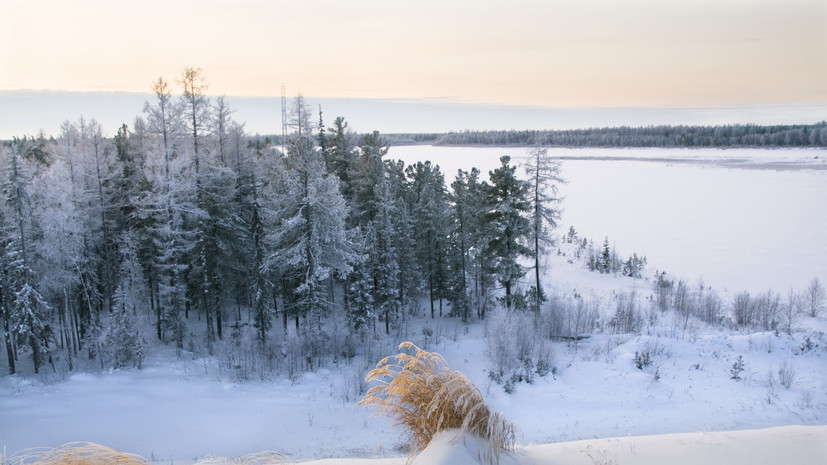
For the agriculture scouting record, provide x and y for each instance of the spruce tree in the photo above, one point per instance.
(507, 225)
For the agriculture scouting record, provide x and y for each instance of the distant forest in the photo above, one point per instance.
(806, 135)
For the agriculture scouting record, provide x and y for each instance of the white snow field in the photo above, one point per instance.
(595, 407)
(740, 219)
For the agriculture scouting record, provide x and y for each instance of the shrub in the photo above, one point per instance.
(786, 375)
(423, 397)
(627, 317)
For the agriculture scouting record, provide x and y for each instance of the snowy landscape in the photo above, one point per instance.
(413, 233)
(610, 371)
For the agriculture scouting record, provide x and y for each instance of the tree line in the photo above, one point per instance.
(802, 135)
(185, 221)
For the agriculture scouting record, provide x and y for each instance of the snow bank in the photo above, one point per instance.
(789, 444)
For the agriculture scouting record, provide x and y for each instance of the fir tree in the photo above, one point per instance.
(507, 226)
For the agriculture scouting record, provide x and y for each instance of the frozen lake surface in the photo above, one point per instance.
(746, 219)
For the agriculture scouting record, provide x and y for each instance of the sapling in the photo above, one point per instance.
(737, 368)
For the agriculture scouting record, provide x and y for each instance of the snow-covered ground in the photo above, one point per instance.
(596, 407)
(179, 409)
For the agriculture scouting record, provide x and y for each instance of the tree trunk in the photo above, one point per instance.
(35, 352)
(508, 294)
(9, 348)
(431, 293)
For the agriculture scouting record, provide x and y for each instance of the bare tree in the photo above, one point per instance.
(544, 178)
(789, 311)
(814, 297)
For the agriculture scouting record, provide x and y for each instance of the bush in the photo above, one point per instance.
(786, 375)
(423, 397)
(627, 317)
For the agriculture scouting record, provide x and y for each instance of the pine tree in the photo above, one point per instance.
(367, 172)
(507, 226)
(430, 207)
(458, 286)
(123, 343)
(384, 257)
(341, 153)
(402, 220)
(311, 242)
(26, 309)
(605, 259)
(360, 307)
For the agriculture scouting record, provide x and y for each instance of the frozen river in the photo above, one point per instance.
(738, 219)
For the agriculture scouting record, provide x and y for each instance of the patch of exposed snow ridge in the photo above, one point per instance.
(787, 444)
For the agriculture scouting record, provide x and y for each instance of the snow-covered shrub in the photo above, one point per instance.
(568, 319)
(786, 375)
(627, 317)
(517, 348)
(500, 348)
(424, 396)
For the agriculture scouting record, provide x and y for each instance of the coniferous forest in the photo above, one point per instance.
(185, 224)
(739, 135)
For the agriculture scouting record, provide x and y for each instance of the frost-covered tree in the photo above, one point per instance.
(507, 226)
(25, 309)
(365, 174)
(814, 297)
(383, 257)
(310, 240)
(466, 211)
(123, 344)
(404, 240)
(340, 155)
(545, 178)
(359, 303)
(164, 206)
(430, 214)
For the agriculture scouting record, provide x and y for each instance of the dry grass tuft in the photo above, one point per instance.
(423, 396)
(87, 453)
(75, 453)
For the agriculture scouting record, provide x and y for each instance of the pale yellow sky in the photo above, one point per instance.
(574, 53)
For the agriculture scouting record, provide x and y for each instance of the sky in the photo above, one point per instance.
(579, 53)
